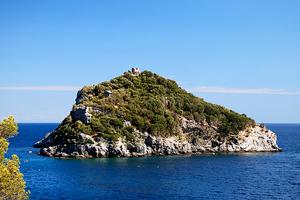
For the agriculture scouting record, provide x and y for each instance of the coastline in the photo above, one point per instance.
(256, 140)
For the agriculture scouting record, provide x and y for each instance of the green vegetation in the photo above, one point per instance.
(12, 184)
(151, 103)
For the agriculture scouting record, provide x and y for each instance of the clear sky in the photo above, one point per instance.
(242, 54)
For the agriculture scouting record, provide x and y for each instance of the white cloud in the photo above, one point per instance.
(40, 88)
(202, 89)
(253, 91)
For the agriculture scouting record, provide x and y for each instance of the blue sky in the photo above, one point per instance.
(241, 54)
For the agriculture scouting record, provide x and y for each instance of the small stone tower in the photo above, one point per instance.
(135, 70)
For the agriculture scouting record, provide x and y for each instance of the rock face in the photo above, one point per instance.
(81, 113)
(253, 139)
(146, 114)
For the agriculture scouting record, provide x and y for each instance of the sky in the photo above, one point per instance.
(244, 55)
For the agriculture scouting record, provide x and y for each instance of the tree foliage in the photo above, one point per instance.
(8, 127)
(12, 184)
(152, 104)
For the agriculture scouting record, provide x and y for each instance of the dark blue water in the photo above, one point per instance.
(240, 176)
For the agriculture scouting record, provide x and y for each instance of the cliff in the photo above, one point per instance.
(139, 114)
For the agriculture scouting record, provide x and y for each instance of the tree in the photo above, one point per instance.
(12, 184)
(8, 127)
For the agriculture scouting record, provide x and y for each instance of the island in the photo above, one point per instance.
(143, 114)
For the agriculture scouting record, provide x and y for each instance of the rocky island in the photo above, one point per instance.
(142, 113)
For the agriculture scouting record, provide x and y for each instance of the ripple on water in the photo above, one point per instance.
(237, 176)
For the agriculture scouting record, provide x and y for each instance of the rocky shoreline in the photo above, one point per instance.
(253, 139)
(144, 114)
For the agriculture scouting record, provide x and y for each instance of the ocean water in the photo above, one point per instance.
(236, 176)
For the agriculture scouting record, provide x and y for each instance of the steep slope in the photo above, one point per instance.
(139, 114)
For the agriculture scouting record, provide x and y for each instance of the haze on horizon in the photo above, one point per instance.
(244, 55)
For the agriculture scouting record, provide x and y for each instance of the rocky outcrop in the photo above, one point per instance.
(110, 119)
(253, 139)
(81, 113)
(257, 138)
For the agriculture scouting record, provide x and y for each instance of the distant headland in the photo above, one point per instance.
(142, 113)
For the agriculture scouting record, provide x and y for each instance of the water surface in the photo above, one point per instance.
(238, 176)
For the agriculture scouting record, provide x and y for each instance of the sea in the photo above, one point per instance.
(221, 176)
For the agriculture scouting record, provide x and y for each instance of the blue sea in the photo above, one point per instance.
(235, 176)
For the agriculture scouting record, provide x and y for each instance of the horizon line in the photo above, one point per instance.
(61, 122)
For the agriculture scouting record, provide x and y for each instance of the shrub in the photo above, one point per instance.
(153, 104)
